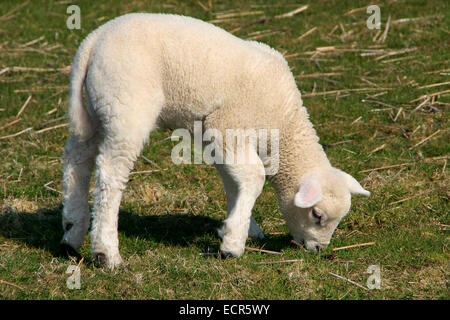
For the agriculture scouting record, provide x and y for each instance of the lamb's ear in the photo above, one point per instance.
(353, 186)
(309, 194)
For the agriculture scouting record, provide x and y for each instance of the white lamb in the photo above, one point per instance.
(143, 71)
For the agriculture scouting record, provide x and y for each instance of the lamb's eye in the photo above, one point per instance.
(317, 215)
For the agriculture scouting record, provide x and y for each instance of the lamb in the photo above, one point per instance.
(143, 71)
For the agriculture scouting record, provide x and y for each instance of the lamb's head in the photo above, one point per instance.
(322, 200)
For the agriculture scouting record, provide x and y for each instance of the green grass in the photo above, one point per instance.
(169, 218)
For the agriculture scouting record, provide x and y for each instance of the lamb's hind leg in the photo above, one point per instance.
(79, 158)
(254, 230)
(124, 138)
(243, 184)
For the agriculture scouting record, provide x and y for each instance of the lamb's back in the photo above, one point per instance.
(199, 66)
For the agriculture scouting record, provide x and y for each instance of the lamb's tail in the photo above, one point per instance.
(79, 120)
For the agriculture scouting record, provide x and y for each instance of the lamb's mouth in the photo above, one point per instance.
(301, 243)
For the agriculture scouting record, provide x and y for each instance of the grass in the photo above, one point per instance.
(168, 218)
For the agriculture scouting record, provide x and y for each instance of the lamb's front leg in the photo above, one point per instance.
(243, 184)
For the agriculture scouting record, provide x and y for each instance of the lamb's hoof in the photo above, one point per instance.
(108, 262)
(254, 231)
(67, 250)
(258, 235)
(101, 258)
(229, 252)
(226, 254)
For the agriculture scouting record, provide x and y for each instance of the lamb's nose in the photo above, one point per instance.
(322, 246)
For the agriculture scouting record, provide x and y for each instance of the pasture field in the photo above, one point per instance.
(379, 100)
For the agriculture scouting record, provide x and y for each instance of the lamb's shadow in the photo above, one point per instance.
(170, 229)
(43, 229)
(39, 229)
(187, 230)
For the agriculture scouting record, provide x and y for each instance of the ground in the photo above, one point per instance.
(378, 98)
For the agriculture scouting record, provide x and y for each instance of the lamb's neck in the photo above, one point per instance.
(299, 154)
